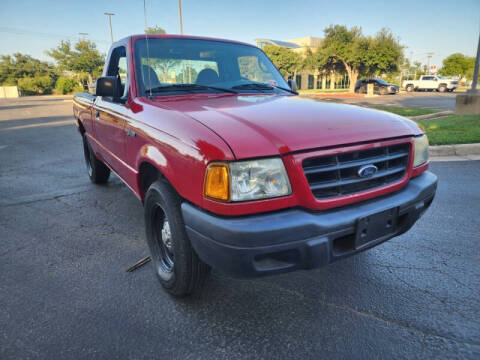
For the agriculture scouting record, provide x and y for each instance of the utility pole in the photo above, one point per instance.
(180, 14)
(475, 72)
(429, 55)
(109, 14)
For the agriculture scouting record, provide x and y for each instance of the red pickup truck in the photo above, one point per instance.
(238, 173)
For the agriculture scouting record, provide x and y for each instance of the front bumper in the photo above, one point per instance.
(294, 239)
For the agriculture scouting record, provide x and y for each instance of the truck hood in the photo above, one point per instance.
(263, 125)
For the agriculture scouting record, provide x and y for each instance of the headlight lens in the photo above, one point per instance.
(258, 179)
(421, 150)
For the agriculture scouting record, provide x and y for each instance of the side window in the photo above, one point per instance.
(118, 67)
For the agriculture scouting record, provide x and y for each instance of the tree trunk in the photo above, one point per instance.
(352, 75)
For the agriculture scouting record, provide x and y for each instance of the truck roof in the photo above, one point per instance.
(169, 36)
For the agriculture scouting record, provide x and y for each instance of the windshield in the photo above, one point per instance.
(209, 66)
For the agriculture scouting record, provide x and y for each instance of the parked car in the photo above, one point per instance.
(238, 173)
(380, 86)
(430, 83)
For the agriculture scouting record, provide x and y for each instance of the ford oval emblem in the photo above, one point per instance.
(367, 171)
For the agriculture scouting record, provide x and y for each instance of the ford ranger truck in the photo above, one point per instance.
(430, 83)
(237, 172)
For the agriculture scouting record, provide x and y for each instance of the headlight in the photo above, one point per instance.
(247, 180)
(421, 150)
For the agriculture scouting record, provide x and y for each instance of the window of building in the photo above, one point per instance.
(311, 81)
(319, 82)
(298, 80)
(342, 82)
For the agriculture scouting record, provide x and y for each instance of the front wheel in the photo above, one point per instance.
(442, 88)
(176, 264)
(409, 88)
(98, 172)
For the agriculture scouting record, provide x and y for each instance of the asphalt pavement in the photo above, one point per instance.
(64, 293)
(425, 100)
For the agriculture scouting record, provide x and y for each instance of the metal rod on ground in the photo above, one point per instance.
(138, 264)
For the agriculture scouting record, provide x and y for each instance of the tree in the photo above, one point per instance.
(31, 75)
(83, 59)
(458, 64)
(286, 60)
(346, 46)
(360, 54)
(155, 30)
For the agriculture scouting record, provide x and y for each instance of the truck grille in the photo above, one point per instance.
(337, 175)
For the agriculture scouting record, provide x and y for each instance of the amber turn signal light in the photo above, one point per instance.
(217, 182)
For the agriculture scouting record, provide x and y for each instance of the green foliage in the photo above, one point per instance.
(359, 54)
(155, 30)
(19, 66)
(458, 64)
(286, 60)
(404, 111)
(65, 85)
(454, 129)
(83, 58)
(37, 85)
(186, 76)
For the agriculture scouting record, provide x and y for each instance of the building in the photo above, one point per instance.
(308, 79)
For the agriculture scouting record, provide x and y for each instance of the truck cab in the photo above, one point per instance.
(237, 172)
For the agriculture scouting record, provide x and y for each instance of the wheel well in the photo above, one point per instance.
(147, 175)
(442, 84)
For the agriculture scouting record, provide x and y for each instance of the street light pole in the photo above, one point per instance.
(429, 55)
(110, 21)
(180, 14)
(475, 71)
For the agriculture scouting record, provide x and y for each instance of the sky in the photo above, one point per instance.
(442, 26)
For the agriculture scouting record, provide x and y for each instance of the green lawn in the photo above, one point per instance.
(454, 129)
(403, 111)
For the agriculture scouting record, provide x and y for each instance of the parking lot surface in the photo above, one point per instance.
(425, 100)
(64, 293)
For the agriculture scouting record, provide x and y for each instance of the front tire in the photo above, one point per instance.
(409, 88)
(175, 262)
(442, 88)
(97, 171)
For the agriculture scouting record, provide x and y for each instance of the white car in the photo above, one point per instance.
(430, 83)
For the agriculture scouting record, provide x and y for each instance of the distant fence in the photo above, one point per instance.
(8, 92)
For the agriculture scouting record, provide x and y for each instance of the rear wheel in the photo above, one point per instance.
(409, 88)
(98, 172)
(176, 264)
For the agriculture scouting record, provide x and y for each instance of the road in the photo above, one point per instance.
(426, 100)
(64, 292)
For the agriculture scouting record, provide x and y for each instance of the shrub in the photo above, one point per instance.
(37, 85)
(65, 85)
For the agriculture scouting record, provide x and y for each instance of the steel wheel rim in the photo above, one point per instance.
(163, 241)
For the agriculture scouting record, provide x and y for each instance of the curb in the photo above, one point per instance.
(432, 116)
(454, 150)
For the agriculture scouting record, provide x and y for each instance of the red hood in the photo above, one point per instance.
(266, 125)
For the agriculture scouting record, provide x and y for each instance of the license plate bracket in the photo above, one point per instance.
(375, 226)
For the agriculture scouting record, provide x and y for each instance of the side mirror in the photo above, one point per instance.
(293, 85)
(109, 86)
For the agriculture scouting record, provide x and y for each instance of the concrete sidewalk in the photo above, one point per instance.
(455, 152)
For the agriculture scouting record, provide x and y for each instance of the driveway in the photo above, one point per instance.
(64, 293)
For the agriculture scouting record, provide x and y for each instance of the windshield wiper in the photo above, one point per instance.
(187, 87)
(261, 86)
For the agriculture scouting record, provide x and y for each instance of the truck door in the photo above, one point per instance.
(428, 82)
(110, 115)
